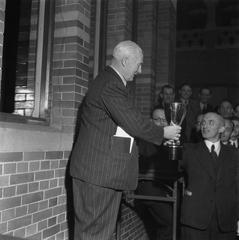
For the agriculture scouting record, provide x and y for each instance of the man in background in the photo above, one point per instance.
(104, 160)
(193, 110)
(210, 203)
(205, 95)
(226, 134)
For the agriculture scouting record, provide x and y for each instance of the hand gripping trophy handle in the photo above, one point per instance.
(178, 113)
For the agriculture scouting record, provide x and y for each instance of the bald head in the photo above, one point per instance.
(127, 59)
(126, 49)
(212, 126)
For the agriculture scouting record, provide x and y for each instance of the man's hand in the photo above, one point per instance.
(172, 132)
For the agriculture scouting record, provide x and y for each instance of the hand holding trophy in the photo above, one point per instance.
(178, 113)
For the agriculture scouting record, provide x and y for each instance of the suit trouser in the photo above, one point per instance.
(213, 232)
(96, 209)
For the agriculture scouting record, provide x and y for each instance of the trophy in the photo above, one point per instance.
(178, 113)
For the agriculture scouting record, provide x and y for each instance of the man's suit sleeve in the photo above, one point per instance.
(128, 117)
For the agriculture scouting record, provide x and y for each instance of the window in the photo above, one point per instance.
(27, 50)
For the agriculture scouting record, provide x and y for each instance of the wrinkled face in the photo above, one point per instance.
(185, 92)
(235, 132)
(168, 95)
(205, 95)
(132, 66)
(198, 122)
(159, 118)
(225, 136)
(211, 127)
(226, 109)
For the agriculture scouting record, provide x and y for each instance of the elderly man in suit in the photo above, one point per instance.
(210, 204)
(104, 160)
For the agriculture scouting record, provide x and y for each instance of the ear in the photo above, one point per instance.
(124, 61)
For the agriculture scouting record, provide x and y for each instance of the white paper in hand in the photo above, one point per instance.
(120, 132)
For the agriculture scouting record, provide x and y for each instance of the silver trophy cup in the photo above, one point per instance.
(178, 113)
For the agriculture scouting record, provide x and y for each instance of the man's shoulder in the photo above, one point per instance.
(193, 146)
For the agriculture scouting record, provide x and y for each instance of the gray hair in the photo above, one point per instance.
(126, 48)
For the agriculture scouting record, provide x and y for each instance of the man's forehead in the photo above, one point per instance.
(210, 116)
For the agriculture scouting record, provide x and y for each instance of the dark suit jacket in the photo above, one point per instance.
(97, 156)
(209, 108)
(210, 190)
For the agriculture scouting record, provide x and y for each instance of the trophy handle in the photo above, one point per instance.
(184, 115)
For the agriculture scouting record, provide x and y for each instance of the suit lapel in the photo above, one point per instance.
(205, 160)
(222, 162)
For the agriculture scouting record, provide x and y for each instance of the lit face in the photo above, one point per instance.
(225, 136)
(226, 109)
(159, 117)
(168, 95)
(185, 92)
(205, 95)
(132, 66)
(235, 132)
(211, 126)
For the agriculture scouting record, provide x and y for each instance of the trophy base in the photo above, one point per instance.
(175, 152)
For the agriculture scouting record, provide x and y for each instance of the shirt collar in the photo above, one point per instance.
(121, 77)
(216, 144)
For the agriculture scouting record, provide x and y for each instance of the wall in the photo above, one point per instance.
(34, 156)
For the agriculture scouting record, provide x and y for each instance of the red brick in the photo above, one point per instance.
(52, 193)
(22, 167)
(20, 211)
(54, 155)
(51, 231)
(34, 166)
(21, 178)
(32, 197)
(3, 227)
(34, 186)
(42, 225)
(31, 230)
(45, 165)
(37, 217)
(11, 156)
(28, 156)
(4, 181)
(44, 175)
(32, 208)
(9, 191)
(10, 168)
(43, 205)
(19, 233)
(21, 189)
(10, 203)
(8, 214)
(19, 222)
(44, 185)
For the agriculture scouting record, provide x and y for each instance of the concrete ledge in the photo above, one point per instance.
(25, 137)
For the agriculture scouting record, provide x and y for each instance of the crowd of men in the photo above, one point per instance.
(104, 161)
(203, 205)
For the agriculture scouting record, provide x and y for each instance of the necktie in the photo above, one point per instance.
(214, 156)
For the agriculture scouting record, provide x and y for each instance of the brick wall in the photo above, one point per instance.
(70, 61)
(32, 194)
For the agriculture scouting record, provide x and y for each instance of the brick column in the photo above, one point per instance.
(146, 38)
(2, 17)
(119, 24)
(70, 61)
(166, 44)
